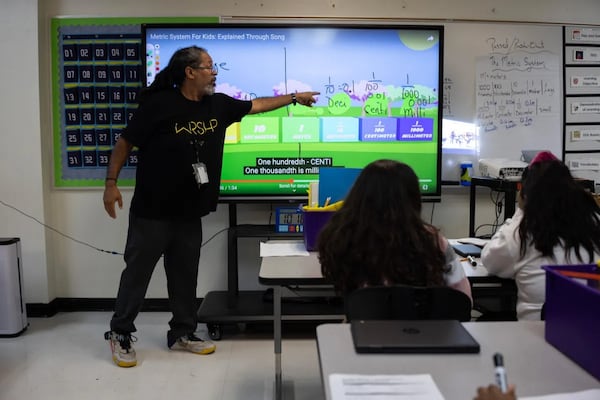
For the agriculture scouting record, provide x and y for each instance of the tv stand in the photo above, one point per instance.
(510, 189)
(235, 306)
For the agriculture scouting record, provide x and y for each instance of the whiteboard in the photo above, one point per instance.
(506, 79)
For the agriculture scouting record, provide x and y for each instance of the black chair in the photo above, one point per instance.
(407, 302)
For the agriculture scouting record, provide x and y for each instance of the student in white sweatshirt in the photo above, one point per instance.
(557, 222)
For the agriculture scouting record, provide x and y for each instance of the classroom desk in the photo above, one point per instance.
(533, 365)
(279, 272)
(494, 297)
(306, 270)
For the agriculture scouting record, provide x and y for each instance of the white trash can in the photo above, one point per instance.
(13, 314)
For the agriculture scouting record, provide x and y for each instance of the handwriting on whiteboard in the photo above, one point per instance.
(516, 84)
(447, 97)
(509, 45)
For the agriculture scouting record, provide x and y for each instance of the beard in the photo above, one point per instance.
(209, 89)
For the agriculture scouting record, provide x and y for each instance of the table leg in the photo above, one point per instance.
(277, 339)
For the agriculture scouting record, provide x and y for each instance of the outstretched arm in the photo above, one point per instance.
(264, 104)
(112, 194)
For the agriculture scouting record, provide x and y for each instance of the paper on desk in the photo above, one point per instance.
(283, 248)
(591, 394)
(362, 387)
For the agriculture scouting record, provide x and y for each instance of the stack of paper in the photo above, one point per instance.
(362, 387)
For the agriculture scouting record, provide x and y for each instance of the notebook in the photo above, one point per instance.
(467, 250)
(412, 336)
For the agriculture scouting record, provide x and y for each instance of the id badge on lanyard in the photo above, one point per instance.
(200, 173)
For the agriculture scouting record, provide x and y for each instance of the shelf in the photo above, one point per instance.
(266, 231)
(251, 306)
(510, 188)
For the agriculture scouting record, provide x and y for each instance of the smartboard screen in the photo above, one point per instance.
(379, 98)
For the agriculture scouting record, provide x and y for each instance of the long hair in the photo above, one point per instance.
(378, 236)
(557, 211)
(173, 74)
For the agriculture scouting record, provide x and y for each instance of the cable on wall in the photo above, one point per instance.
(81, 241)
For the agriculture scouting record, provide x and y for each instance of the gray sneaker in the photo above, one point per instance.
(123, 353)
(194, 344)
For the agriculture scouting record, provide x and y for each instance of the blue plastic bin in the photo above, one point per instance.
(314, 221)
(573, 313)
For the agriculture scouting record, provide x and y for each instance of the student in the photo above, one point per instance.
(493, 392)
(179, 129)
(379, 238)
(557, 222)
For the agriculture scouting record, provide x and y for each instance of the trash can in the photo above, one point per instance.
(13, 314)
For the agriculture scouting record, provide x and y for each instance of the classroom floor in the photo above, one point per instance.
(66, 357)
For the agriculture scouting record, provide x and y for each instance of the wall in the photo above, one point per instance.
(57, 266)
(20, 147)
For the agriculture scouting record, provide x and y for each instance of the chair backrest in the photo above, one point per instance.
(407, 302)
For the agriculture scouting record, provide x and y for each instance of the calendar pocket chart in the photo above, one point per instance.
(97, 75)
(99, 80)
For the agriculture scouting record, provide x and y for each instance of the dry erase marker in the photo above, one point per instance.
(472, 260)
(500, 372)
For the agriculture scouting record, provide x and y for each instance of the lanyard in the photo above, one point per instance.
(197, 144)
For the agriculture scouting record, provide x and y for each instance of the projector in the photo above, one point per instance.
(501, 168)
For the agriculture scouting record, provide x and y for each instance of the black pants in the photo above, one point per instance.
(147, 240)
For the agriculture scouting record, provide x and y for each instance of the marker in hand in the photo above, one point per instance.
(500, 372)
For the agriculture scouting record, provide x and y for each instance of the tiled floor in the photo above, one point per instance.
(66, 357)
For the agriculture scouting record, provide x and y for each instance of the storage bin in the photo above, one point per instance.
(314, 221)
(573, 313)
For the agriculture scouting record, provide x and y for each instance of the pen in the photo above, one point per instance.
(471, 260)
(327, 201)
(500, 372)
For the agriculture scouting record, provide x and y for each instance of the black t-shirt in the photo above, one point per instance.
(172, 133)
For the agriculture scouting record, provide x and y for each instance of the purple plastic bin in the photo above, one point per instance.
(573, 314)
(314, 221)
